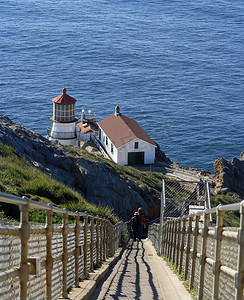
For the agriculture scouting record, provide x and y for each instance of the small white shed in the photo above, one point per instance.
(125, 141)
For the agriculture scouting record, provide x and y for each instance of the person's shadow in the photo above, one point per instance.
(154, 290)
(125, 272)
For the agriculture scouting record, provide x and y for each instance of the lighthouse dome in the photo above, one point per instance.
(64, 98)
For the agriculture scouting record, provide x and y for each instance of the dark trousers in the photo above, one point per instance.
(135, 233)
(141, 232)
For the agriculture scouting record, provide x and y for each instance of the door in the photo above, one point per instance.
(135, 158)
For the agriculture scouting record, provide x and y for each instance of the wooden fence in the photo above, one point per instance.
(211, 258)
(43, 261)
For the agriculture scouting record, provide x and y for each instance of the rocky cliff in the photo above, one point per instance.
(95, 180)
(229, 176)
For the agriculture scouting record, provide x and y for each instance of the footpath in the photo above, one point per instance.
(138, 274)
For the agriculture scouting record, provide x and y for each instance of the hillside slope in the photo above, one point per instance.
(99, 181)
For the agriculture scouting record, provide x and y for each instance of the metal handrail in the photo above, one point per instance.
(100, 147)
(176, 236)
(99, 234)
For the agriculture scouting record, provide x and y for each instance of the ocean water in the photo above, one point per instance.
(176, 67)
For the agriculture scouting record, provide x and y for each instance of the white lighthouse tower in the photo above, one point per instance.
(63, 128)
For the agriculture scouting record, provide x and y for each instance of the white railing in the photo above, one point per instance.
(99, 146)
(43, 261)
(184, 174)
(61, 135)
(212, 258)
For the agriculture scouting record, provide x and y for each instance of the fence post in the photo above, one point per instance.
(65, 254)
(49, 258)
(162, 198)
(239, 280)
(167, 238)
(189, 230)
(164, 236)
(101, 239)
(104, 240)
(113, 239)
(77, 249)
(182, 244)
(174, 240)
(118, 231)
(202, 260)
(178, 243)
(91, 243)
(24, 237)
(97, 239)
(109, 237)
(171, 236)
(156, 230)
(106, 237)
(209, 201)
(194, 253)
(218, 242)
(85, 243)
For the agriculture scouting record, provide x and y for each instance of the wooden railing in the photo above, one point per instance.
(47, 259)
(212, 258)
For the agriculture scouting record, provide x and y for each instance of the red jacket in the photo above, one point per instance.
(142, 219)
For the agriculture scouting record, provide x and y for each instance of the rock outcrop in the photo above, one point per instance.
(160, 155)
(97, 182)
(229, 176)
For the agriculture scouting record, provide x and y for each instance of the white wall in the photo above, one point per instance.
(65, 133)
(143, 146)
(85, 136)
(63, 130)
(108, 147)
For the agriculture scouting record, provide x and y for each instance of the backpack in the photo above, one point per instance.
(135, 222)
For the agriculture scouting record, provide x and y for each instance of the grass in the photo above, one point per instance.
(19, 178)
(149, 179)
(231, 218)
(154, 180)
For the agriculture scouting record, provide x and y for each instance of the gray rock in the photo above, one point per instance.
(229, 176)
(97, 182)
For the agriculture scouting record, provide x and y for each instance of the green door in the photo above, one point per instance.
(131, 158)
(135, 158)
(140, 158)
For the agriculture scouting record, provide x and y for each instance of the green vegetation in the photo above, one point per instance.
(231, 218)
(18, 177)
(151, 179)
(193, 292)
(154, 180)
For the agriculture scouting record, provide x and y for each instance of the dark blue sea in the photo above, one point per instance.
(176, 67)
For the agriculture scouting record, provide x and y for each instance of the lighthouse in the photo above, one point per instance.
(63, 128)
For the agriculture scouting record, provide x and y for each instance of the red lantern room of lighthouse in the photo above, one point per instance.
(63, 128)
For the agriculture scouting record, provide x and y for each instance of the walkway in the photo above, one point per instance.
(140, 274)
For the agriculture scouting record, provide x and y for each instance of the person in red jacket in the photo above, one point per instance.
(142, 223)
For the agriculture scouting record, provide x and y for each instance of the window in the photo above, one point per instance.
(64, 113)
(112, 148)
(106, 141)
(136, 145)
(99, 133)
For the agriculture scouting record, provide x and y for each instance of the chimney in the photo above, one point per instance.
(117, 113)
